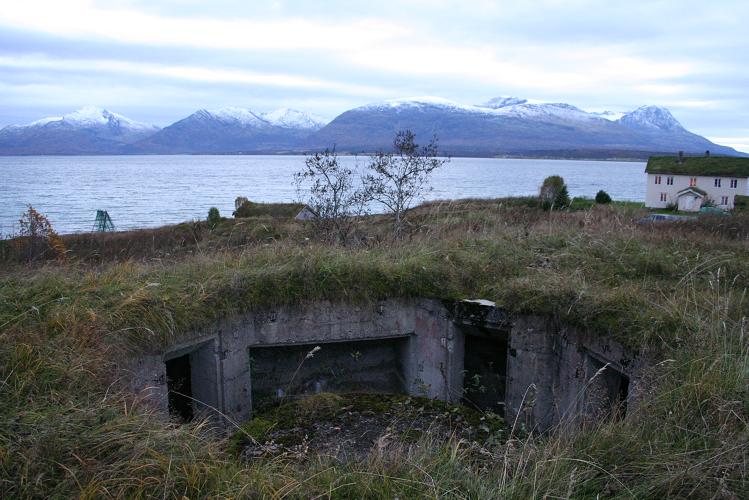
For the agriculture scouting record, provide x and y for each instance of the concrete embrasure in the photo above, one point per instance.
(417, 347)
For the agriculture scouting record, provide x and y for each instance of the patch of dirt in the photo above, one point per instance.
(350, 426)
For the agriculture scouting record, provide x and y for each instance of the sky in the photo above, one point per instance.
(159, 61)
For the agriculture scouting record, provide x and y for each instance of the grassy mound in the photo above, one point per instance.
(68, 427)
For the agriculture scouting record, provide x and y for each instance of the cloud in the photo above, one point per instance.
(193, 73)
(347, 52)
(81, 18)
(738, 143)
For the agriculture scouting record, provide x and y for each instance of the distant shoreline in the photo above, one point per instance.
(340, 153)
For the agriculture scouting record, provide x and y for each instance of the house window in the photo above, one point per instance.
(692, 181)
(734, 183)
(717, 183)
(724, 200)
(663, 196)
(657, 179)
(670, 181)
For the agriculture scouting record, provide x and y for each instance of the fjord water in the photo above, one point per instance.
(149, 191)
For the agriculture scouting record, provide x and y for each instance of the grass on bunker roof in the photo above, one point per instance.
(596, 268)
(677, 290)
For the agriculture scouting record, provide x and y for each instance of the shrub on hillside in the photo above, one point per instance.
(214, 217)
(36, 236)
(253, 209)
(553, 193)
(602, 197)
(333, 194)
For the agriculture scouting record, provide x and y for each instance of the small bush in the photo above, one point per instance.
(253, 209)
(37, 237)
(709, 203)
(214, 217)
(554, 193)
(602, 197)
(239, 201)
(741, 202)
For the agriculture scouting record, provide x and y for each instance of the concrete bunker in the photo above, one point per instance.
(346, 366)
(535, 370)
(192, 381)
(485, 333)
(484, 368)
(607, 391)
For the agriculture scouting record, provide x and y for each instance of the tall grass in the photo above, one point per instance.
(67, 428)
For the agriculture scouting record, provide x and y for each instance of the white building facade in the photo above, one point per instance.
(667, 189)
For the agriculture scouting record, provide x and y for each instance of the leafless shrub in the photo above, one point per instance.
(333, 195)
(399, 178)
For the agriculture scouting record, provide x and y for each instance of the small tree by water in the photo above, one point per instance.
(602, 197)
(553, 193)
(214, 217)
(399, 178)
(332, 194)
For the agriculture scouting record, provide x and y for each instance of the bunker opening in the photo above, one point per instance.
(485, 368)
(607, 391)
(192, 382)
(349, 366)
(180, 389)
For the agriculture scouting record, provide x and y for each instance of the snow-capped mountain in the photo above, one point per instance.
(88, 130)
(281, 117)
(608, 115)
(512, 107)
(232, 114)
(232, 130)
(513, 126)
(503, 101)
(546, 111)
(651, 117)
(498, 106)
(500, 126)
(293, 118)
(91, 117)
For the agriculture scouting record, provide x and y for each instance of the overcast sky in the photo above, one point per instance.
(158, 61)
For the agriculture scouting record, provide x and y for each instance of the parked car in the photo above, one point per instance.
(663, 218)
(714, 211)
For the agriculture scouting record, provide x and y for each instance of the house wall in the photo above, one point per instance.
(705, 183)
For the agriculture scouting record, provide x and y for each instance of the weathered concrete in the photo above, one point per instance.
(540, 372)
(426, 351)
(359, 365)
(552, 371)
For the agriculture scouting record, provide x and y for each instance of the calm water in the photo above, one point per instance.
(147, 191)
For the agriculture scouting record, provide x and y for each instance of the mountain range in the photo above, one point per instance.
(507, 126)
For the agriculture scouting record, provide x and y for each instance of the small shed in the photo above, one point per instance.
(306, 213)
(690, 199)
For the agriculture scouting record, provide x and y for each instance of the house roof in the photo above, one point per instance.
(718, 166)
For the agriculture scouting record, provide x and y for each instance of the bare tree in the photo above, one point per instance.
(333, 195)
(397, 179)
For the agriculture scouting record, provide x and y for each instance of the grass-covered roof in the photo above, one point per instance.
(719, 166)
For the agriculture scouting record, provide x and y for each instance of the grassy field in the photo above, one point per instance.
(675, 291)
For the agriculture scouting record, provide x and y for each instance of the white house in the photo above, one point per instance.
(689, 182)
